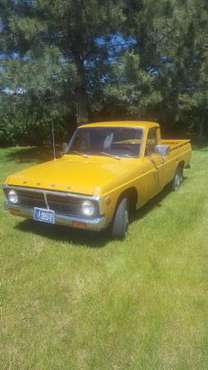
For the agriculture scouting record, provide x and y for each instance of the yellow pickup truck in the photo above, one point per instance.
(107, 171)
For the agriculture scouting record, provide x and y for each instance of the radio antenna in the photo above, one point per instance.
(53, 140)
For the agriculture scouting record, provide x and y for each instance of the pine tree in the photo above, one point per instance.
(63, 33)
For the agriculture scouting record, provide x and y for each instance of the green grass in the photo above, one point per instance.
(73, 300)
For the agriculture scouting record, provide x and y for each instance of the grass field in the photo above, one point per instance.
(73, 300)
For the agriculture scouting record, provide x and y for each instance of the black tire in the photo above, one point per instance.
(178, 179)
(121, 220)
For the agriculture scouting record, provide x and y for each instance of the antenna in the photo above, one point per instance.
(53, 140)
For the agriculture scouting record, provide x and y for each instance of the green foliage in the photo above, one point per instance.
(60, 73)
(132, 87)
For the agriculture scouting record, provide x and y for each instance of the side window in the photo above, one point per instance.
(151, 141)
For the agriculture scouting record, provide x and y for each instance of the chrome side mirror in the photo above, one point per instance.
(162, 149)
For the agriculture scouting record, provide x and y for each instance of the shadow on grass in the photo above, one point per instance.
(33, 154)
(83, 238)
(152, 204)
(79, 238)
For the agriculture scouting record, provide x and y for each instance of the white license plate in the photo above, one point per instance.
(44, 215)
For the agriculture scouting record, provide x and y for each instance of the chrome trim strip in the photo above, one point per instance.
(96, 224)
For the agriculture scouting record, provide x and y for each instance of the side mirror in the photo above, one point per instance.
(162, 149)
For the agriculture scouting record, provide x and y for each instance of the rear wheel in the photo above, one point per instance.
(178, 179)
(121, 220)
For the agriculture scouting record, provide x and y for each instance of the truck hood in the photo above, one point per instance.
(89, 176)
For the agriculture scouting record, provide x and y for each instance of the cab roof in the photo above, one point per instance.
(142, 124)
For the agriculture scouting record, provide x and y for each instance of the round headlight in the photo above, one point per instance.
(88, 208)
(13, 197)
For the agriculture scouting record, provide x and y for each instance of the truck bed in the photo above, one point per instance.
(175, 144)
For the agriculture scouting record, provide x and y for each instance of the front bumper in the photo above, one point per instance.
(96, 224)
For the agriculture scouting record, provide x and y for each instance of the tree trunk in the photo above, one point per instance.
(82, 110)
(201, 135)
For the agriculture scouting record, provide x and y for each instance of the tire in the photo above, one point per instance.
(178, 179)
(121, 220)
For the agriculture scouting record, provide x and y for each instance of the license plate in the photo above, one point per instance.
(44, 215)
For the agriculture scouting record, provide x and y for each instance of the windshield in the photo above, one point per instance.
(114, 141)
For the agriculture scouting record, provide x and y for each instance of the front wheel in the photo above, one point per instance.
(121, 220)
(178, 179)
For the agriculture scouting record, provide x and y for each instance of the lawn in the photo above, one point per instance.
(73, 300)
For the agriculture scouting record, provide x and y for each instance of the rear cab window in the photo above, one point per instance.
(152, 141)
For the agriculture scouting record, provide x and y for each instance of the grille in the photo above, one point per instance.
(31, 199)
(63, 205)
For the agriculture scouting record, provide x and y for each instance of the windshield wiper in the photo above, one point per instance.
(110, 155)
(78, 153)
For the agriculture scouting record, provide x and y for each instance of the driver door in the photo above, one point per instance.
(156, 160)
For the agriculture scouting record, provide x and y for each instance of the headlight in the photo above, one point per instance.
(13, 197)
(88, 208)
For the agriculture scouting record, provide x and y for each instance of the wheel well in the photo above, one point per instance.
(132, 195)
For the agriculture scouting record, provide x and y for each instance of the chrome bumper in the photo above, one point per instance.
(96, 224)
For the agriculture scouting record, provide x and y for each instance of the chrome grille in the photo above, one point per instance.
(31, 199)
(62, 204)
